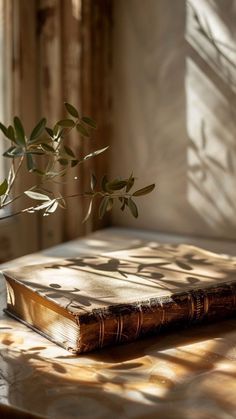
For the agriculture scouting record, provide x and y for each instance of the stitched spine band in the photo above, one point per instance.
(139, 321)
(152, 314)
(119, 328)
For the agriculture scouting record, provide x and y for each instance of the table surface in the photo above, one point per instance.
(187, 374)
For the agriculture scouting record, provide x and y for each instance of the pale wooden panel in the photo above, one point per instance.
(19, 235)
(60, 50)
(96, 90)
(71, 84)
(24, 92)
(75, 41)
(50, 94)
(73, 67)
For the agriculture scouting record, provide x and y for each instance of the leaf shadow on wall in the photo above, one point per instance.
(211, 115)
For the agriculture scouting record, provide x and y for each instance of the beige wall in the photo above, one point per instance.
(174, 112)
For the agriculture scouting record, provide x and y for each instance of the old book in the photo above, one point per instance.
(90, 302)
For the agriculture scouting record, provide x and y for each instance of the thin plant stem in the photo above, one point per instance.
(15, 173)
(16, 213)
(11, 200)
(85, 195)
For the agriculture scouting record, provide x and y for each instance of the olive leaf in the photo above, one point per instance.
(8, 132)
(52, 207)
(14, 152)
(117, 184)
(110, 203)
(4, 130)
(34, 152)
(38, 130)
(30, 162)
(93, 182)
(95, 153)
(133, 207)
(45, 205)
(88, 212)
(74, 162)
(61, 201)
(3, 187)
(49, 207)
(66, 123)
(103, 206)
(8, 152)
(68, 151)
(48, 148)
(49, 131)
(144, 191)
(130, 183)
(53, 147)
(71, 110)
(104, 183)
(11, 134)
(124, 202)
(40, 172)
(37, 195)
(20, 133)
(63, 162)
(89, 121)
(82, 130)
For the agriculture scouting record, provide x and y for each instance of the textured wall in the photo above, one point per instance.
(174, 112)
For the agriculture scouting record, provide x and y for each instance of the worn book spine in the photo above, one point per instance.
(127, 322)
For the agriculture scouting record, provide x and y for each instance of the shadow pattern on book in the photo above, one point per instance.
(163, 267)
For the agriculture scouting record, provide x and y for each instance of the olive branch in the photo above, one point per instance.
(50, 145)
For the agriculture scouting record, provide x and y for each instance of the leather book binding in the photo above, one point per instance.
(86, 303)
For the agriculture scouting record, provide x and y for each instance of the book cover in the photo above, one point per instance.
(86, 303)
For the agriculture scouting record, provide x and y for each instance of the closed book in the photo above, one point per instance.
(86, 303)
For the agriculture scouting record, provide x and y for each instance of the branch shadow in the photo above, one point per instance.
(82, 282)
(127, 380)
